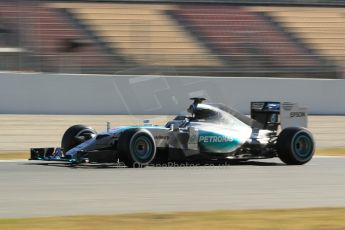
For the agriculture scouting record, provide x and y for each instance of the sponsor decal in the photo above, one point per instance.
(161, 137)
(297, 114)
(215, 139)
(274, 106)
(193, 139)
(258, 105)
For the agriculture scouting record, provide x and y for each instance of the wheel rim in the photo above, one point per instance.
(303, 146)
(142, 148)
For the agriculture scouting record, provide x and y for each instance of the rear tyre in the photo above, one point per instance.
(136, 148)
(75, 135)
(295, 146)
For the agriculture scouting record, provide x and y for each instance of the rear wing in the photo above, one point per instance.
(291, 115)
(272, 114)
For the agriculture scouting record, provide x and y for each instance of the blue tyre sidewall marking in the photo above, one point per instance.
(144, 158)
(303, 152)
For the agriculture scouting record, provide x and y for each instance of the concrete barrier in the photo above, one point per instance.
(36, 93)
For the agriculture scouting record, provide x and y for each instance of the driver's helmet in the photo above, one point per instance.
(205, 114)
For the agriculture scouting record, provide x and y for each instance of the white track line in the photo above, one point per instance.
(18, 160)
(329, 157)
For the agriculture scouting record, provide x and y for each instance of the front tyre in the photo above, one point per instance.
(295, 146)
(136, 148)
(76, 135)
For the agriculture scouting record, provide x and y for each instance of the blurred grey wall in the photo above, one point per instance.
(35, 93)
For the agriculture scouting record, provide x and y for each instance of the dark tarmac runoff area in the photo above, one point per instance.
(32, 188)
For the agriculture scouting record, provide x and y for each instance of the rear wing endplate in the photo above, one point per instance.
(291, 115)
(272, 114)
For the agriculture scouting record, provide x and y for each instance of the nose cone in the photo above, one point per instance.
(83, 146)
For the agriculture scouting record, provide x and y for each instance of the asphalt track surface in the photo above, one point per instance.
(29, 188)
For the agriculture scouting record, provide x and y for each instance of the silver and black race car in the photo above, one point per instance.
(208, 132)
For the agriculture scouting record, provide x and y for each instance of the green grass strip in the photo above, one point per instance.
(291, 219)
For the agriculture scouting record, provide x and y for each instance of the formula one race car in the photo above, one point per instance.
(209, 132)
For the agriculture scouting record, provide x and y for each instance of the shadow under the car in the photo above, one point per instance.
(165, 165)
(258, 163)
